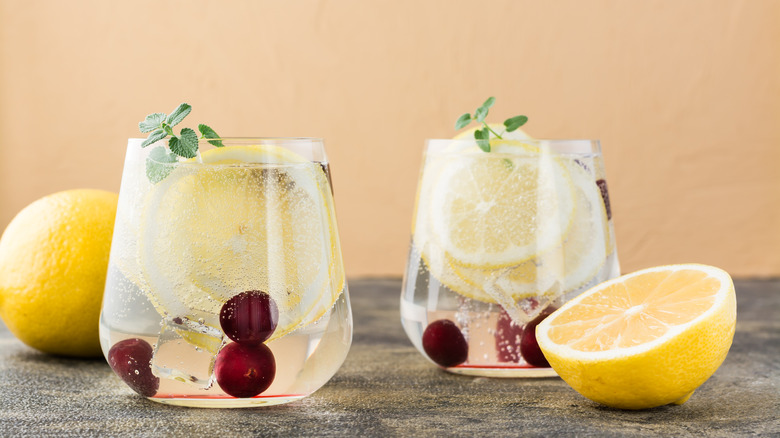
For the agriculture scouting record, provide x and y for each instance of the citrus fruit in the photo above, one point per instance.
(578, 258)
(53, 264)
(645, 339)
(563, 255)
(492, 210)
(211, 232)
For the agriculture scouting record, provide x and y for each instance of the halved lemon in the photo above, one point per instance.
(211, 232)
(645, 339)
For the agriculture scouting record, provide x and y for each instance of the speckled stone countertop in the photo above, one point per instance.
(386, 388)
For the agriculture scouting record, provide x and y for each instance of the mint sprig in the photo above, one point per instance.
(156, 169)
(482, 135)
(160, 126)
(207, 132)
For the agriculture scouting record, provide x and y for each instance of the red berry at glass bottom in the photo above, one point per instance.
(508, 336)
(245, 370)
(529, 347)
(131, 360)
(249, 318)
(445, 344)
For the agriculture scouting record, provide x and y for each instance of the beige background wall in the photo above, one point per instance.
(685, 97)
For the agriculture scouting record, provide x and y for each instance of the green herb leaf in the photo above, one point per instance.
(480, 114)
(178, 114)
(483, 139)
(154, 137)
(207, 132)
(482, 135)
(463, 121)
(513, 123)
(482, 111)
(156, 168)
(151, 122)
(185, 145)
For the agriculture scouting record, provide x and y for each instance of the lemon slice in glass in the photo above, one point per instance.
(579, 257)
(210, 232)
(500, 209)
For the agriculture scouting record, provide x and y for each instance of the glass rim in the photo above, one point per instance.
(310, 149)
(557, 145)
(519, 140)
(286, 139)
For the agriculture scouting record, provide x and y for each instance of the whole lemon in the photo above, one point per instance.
(53, 263)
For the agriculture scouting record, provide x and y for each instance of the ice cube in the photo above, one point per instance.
(533, 306)
(186, 350)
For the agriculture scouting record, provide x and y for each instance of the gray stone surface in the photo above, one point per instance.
(386, 388)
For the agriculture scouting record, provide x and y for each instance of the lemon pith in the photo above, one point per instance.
(646, 339)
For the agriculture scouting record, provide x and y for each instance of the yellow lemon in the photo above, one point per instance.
(645, 339)
(53, 263)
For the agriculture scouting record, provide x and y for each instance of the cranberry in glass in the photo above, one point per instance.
(444, 343)
(131, 360)
(245, 370)
(529, 347)
(508, 336)
(249, 318)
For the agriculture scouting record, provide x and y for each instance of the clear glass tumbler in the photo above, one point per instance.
(225, 285)
(500, 239)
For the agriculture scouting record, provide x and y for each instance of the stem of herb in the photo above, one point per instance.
(494, 132)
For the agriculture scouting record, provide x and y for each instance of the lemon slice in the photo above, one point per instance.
(519, 164)
(210, 232)
(646, 339)
(581, 255)
(500, 209)
(583, 236)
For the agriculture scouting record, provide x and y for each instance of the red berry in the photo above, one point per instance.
(508, 336)
(249, 318)
(131, 360)
(529, 347)
(444, 343)
(245, 370)
(602, 183)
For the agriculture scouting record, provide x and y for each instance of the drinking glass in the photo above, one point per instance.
(225, 284)
(500, 239)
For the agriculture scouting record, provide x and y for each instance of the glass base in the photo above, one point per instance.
(225, 402)
(507, 372)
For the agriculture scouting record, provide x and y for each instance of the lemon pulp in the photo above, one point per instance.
(646, 339)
